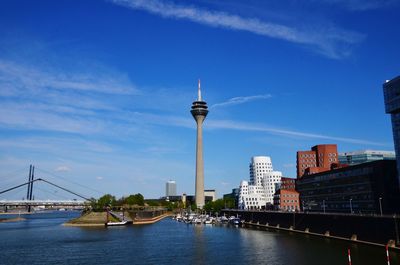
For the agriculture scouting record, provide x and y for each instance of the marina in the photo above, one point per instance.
(192, 218)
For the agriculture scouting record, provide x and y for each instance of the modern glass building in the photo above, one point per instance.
(364, 156)
(391, 92)
(363, 188)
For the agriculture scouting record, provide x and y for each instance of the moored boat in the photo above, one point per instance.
(116, 223)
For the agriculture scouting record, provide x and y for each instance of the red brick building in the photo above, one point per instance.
(287, 200)
(319, 159)
(288, 183)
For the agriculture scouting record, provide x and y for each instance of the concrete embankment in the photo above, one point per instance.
(373, 230)
(151, 220)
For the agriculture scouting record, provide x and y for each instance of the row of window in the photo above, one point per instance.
(286, 201)
(307, 155)
(290, 195)
(269, 164)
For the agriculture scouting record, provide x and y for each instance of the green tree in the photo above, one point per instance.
(193, 207)
(218, 205)
(104, 201)
(135, 199)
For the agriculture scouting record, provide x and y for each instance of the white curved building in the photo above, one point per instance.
(260, 190)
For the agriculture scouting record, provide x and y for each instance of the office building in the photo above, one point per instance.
(260, 190)
(364, 156)
(286, 200)
(391, 92)
(287, 184)
(170, 188)
(363, 188)
(320, 158)
(210, 193)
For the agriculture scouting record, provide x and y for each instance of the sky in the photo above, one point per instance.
(97, 94)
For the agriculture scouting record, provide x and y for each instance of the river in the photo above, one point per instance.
(42, 239)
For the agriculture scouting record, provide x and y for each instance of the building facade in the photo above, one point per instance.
(287, 184)
(319, 159)
(260, 190)
(391, 93)
(363, 188)
(286, 200)
(210, 193)
(170, 188)
(364, 156)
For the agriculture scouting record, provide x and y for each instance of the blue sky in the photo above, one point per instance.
(99, 92)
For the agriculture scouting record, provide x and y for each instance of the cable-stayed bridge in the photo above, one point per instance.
(42, 203)
(30, 199)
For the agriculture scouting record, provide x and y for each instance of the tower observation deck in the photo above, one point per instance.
(199, 112)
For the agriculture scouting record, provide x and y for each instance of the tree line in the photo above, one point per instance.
(137, 200)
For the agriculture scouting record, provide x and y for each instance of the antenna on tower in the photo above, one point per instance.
(199, 93)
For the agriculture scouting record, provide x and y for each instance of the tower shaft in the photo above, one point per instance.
(199, 163)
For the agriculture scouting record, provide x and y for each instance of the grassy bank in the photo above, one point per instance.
(91, 219)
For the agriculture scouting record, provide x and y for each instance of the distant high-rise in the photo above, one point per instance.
(391, 92)
(199, 112)
(170, 188)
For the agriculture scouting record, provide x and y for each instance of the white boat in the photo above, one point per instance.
(234, 221)
(208, 221)
(116, 223)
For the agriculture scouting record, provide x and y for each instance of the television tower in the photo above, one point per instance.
(199, 112)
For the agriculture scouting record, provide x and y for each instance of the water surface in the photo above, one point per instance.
(42, 239)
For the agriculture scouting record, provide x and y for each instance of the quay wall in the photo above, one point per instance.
(145, 214)
(374, 229)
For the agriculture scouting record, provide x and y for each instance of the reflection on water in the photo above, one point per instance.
(42, 239)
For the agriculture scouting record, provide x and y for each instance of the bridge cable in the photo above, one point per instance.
(65, 179)
(40, 179)
(55, 185)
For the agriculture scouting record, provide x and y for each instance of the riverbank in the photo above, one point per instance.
(89, 219)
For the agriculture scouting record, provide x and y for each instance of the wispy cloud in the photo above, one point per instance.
(331, 42)
(14, 76)
(166, 120)
(361, 5)
(242, 126)
(240, 100)
(62, 169)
